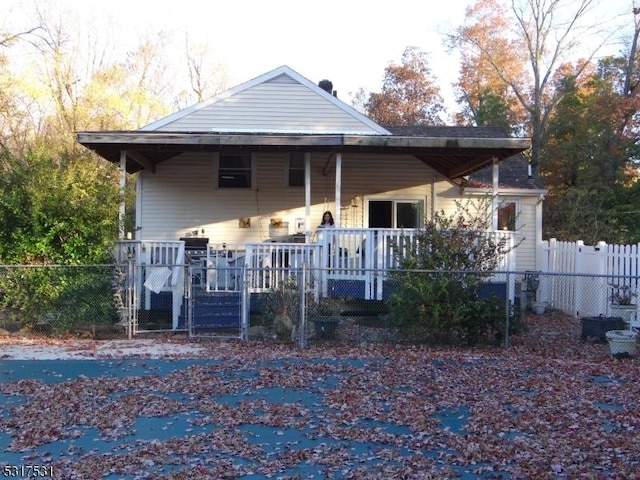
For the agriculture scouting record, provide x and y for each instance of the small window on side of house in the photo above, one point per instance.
(295, 170)
(507, 216)
(235, 170)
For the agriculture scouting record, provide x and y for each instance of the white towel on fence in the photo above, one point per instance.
(156, 278)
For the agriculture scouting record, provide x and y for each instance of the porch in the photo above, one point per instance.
(339, 262)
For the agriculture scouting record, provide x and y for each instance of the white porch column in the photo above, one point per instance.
(123, 185)
(494, 194)
(336, 215)
(307, 197)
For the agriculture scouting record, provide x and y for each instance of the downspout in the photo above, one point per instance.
(123, 187)
(307, 197)
(338, 188)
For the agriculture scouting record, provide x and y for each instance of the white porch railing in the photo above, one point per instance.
(360, 254)
(222, 267)
(271, 263)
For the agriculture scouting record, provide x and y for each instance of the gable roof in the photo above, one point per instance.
(283, 111)
(279, 101)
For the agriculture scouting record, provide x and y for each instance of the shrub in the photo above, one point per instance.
(64, 298)
(436, 296)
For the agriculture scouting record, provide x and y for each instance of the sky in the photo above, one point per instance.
(349, 42)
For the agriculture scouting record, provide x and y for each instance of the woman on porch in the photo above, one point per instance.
(327, 220)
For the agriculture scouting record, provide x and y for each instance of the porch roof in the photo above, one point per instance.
(452, 156)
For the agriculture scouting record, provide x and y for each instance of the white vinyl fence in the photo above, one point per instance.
(588, 273)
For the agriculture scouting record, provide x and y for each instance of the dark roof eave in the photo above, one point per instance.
(159, 146)
(217, 139)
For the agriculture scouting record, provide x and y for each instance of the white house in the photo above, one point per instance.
(261, 162)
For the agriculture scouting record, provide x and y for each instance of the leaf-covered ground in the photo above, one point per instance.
(549, 407)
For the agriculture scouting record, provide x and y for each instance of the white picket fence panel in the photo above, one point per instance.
(580, 276)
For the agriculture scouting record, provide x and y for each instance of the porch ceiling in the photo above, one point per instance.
(452, 157)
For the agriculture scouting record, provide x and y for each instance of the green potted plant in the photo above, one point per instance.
(622, 302)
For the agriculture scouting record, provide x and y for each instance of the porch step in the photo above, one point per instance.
(213, 311)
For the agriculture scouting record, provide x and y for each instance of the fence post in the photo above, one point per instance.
(245, 303)
(188, 299)
(303, 301)
(507, 307)
(131, 294)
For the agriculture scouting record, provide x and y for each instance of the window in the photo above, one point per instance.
(296, 169)
(235, 170)
(396, 213)
(507, 215)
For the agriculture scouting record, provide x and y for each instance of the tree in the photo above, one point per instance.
(483, 95)
(581, 213)
(56, 211)
(127, 94)
(588, 163)
(549, 30)
(359, 100)
(409, 94)
(585, 145)
(11, 113)
(206, 79)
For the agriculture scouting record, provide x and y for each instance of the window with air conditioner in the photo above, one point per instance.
(235, 170)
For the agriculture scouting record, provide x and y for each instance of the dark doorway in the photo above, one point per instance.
(380, 214)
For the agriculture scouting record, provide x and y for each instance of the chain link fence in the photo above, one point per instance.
(372, 306)
(439, 307)
(58, 300)
(308, 306)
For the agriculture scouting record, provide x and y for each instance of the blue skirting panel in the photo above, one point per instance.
(161, 301)
(346, 288)
(498, 289)
(357, 289)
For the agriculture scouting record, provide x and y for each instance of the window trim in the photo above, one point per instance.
(252, 175)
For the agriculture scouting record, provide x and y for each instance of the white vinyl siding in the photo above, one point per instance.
(526, 251)
(180, 197)
(270, 107)
(168, 214)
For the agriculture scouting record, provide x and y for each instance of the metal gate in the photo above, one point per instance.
(216, 302)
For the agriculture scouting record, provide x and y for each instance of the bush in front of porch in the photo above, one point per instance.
(437, 289)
